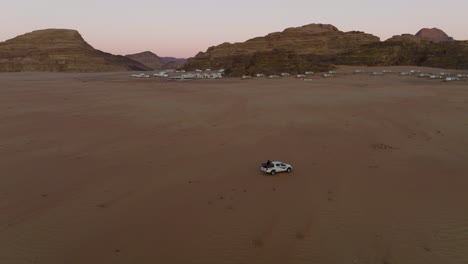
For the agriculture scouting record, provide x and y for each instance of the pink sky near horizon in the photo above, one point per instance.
(183, 28)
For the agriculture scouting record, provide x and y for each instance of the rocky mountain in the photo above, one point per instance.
(293, 50)
(59, 50)
(409, 50)
(148, 59)
(433, 34)
(173, 63)
(155, 62)
(174, 60)
(319, 47)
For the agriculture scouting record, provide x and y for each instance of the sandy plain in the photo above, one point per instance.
(101, 168)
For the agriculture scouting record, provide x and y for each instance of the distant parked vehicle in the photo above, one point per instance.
(141, 75)
(424, 75)
(450, 79)
(273, 167)
(162, 74)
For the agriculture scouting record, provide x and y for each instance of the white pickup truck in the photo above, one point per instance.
(274, 167)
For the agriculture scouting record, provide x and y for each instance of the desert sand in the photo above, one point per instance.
(101, 168)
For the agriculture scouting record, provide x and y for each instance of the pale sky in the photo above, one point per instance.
(183, 28)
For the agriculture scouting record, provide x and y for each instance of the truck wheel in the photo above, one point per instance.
(289, 170)
(273, 172)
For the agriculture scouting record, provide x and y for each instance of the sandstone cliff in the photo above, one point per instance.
(409, 50)
(433, 34)
(306, 48)
(59, 50)
(319, 47)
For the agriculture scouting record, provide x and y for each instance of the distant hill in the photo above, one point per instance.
(409, 50)
(148, 59)
(433, 34)
(59, 50)
(155, 62)
(319, 47)
(293, 50)
(172, 59)
(173, 63)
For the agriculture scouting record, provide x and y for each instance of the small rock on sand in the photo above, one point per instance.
(257, 243)
(300, 235)
(382, 146)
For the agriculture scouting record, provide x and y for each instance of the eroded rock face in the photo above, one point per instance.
(433, 34)
(59, 50)
(319, 47)
(294, 50)
(409, 50)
